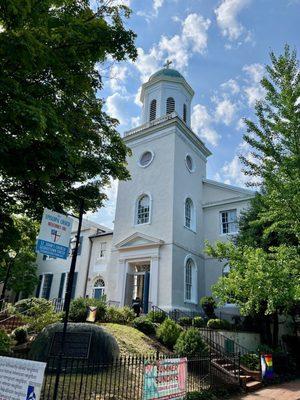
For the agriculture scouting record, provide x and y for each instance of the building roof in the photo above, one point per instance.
(166, 72)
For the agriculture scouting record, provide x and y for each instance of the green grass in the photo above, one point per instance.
(133, 342)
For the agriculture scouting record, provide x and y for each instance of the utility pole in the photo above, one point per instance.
(68, 298)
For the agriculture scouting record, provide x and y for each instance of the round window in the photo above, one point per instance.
(146, 159)
(189, 163)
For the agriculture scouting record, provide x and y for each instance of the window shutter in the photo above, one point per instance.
(47, 294)
(61, 285)
(74, 285)
(38, 289)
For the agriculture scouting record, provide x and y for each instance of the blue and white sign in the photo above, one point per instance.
(55, 234)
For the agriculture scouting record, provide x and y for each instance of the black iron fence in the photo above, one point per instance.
(123, 378)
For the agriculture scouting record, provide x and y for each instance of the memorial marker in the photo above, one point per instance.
(77, 345)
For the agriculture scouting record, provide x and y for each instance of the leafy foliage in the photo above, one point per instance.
(275, 146)
(79, 307)
(144, 325)
(168, 332)
(185, 321)
(217, 323)
(190, 344)
(5, 343)
(37, 323)
(57, 143)
(198, 322)
(208, 304)
(18, 254)
(121, 315)
(33, 306)
(251, 361)
(20, 334)
(157, 316)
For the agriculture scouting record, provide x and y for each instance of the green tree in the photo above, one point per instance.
(261, 283)
(57, 143)
(20, 258)
(275, 145)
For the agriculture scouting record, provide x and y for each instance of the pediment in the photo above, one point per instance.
(139, 240)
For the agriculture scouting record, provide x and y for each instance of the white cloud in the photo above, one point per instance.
(227, 13)
(117, 76)
(201, 124)
(135, 121)
(157, 4)
(231, 85)
(254, 91)
(194, 30)
(118, 106)
(225, 111)
(179, 48)
(231, 172)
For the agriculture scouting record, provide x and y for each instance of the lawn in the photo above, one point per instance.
(133, 342)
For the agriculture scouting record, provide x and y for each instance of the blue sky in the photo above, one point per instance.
(221, 47)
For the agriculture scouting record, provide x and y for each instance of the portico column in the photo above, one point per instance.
(154, 270)
(122, 268)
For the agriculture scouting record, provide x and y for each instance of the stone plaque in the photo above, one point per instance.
(77, 345)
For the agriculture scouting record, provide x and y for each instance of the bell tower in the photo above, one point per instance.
(165, 92)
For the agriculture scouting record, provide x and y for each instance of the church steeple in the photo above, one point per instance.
(166, 92)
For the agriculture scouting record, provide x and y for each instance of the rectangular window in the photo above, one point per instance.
(47, 282)
(102, 251)
(229, 223)
(188, 283)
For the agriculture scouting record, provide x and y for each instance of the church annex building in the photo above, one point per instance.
(164, 214)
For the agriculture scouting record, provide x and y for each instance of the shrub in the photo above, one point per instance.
(34, 306)
(157, 316)
(78, 309)
(185, 321)
(168, 333)
(122, 315)
(144, 325)
(5, 343)
(218, 324)
(37, 323)
(190, 343)
(20, 334)
(208, 305)
(251, 361)
(198, 322)
(103, 346)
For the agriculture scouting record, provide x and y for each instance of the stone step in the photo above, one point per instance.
(246, 378)
(251, 386)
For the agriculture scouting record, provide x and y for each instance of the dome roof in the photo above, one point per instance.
(166, 72)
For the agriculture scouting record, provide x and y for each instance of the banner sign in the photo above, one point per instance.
(165, 379)
(266, 366)
(20, 379)
(91, 314)
(55, 234)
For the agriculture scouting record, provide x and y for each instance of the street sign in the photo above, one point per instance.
(20, 379)
(55, 234)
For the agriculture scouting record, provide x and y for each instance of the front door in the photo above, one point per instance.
(137, 285)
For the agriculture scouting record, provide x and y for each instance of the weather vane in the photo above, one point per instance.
(167, 64)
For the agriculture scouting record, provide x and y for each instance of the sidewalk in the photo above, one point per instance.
(285, 391)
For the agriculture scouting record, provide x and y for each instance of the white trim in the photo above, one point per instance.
(226, 186)
(221, 223)
(150, 162)
(227, 201)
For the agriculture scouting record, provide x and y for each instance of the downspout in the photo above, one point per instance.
(88, 267)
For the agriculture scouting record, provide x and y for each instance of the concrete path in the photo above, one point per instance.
(285, 391)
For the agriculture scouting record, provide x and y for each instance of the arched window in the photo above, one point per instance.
(184, 112)
(143, 210)
(99, 288)
(189, 214)
(152, 110)
(190, 280)
(170, 105)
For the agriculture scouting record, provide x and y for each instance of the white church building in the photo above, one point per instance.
(164, 214)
